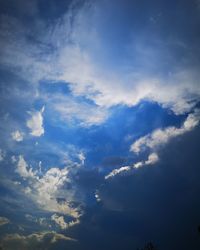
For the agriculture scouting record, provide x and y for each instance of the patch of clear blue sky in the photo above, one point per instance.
(111, 138)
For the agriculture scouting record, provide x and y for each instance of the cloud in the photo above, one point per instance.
(35, 123)
(46, 189)
(74, 60)
(117, 171)
(81, 157)
(59, 220)
(152, 159)
(74, 111)
(156, 139)
(3, 221)
(23, 170)
(160, 137)
(38, 240)
(17, 136)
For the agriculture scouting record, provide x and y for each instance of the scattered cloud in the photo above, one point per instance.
(152, 159)
(38, 240)
(17, 136)
(117, 171)
(160, 137)
(77, 65)
(81, 157)
(23, 170)
(3, 221)
(74, 111)
(35, 123)
(156, 139)
(46, 189)
(60, 221)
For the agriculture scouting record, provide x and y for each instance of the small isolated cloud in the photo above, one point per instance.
(97, 197)
(162, 136)
(38, 240)
(81, 157)
(17, 136)
(35, 123)
(152, 159)
(3, 221)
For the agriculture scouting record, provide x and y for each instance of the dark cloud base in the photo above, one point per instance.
(159, 204)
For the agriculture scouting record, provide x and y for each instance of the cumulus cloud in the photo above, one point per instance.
(45, 190)
(35, 123)
(60, 221)
(17, 136)
(23, 169)
(3, 221)
(152, 159)
(162, 136)
(38, 240)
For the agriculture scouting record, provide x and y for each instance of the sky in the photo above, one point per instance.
(100, 124)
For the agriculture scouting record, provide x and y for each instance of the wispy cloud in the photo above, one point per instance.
(33, 241)
(152, 159)
(4, 220)
(160, 137)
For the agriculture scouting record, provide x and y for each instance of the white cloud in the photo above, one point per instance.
(3, 221)
(76, 64)
(35, 123)
(156, 139)
(23, 170)
(81, 157)
(59, 220)
(162, 136)
(38, 240)
(97, 197)
(45, 190)
(152, 159)
(117, 171)
(72, 111)
(17, 136)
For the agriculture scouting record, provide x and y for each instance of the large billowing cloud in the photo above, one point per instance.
(73, 62)
(70, 77)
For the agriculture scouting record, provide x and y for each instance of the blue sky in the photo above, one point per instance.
(99, 107)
